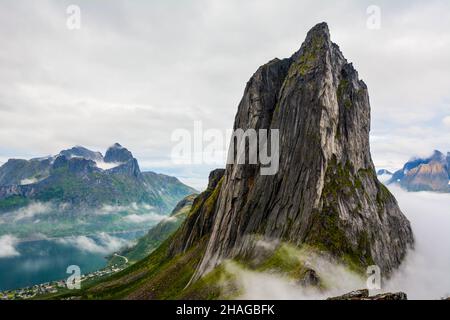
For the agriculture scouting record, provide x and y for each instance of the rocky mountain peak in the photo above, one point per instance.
(117, 153)
(425, 174)
(77, 165)
(383, 172)
(437, 156)
(81, 152)
(317, 38)
(325, 193)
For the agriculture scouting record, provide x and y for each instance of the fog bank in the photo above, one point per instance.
(425, 274)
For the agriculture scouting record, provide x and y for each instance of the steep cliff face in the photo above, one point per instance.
(159, 233)
(326, 192)
(201, 217)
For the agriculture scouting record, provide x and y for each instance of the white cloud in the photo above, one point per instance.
(446, 121)
(8, 246)
(148, 217)
(135, 72)
(30, 211)
(107, 165)
(103, 243)
(272, 286)
(109, 209)
(425, 272)
(136, 213)
(392, 148)
(384, 177)
(134, 207)
(28, 181)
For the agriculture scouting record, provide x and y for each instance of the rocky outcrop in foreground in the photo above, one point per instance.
(364, 295)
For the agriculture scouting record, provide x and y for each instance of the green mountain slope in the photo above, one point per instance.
(163, 274)
(161, 232)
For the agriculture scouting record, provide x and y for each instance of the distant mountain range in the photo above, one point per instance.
(422, 174)
(81, 178)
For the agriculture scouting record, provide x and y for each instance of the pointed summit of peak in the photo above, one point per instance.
(116, 146)
(320, 29)
(314, 50)
(117, 153)
(318, 36)
(81, 152)
(437, 155)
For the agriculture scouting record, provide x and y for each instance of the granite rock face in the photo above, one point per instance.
(326, 192)
(201, 217)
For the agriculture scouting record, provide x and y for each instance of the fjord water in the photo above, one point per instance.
(47, 260)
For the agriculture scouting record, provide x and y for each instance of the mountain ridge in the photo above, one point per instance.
(425, 174)
(78, 176)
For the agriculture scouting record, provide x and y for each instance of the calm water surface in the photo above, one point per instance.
(47, 260)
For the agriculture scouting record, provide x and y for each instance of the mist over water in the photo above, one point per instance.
(28, 263)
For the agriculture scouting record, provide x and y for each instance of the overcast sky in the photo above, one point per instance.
(138, 70)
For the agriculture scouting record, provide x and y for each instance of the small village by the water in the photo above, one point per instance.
(54, 287)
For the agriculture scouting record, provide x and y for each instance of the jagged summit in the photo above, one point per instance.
(117, 153)
(438, 156)
(425, 174)
(320, 30)
(325, 193)
(81, 152)
(116, 146)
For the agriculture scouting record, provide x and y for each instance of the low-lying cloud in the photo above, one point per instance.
(148, 217)
(103, 243)
(8, 246)
(273, 286)
(425, 274)
(133, 207)
(107, 165)
(32, 210)
(136, 213)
